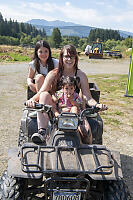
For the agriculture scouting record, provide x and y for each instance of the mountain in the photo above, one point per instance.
(125, 34)
(68, 28)
(56, 23)
(80, 31)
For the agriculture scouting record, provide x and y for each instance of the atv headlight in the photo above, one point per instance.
(67, 123)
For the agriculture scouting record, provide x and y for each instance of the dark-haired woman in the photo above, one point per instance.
(41, 64)
(68, 66)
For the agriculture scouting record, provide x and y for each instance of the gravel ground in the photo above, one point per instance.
(13, 95)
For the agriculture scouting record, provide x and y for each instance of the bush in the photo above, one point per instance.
(9, 40)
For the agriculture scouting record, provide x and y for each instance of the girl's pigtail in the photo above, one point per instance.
(61, 81)
(77, 80)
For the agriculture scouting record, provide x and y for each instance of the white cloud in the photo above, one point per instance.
(50, 12)
(67, 3)
(115, 17)
(43, 7)
(23, 12)
(83, 16)
(101, 3)
(119, 21)
(130, 2)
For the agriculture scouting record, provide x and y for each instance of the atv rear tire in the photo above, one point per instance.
(12, 188)
(116, 190)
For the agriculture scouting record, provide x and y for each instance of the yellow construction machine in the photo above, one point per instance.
(96, 50)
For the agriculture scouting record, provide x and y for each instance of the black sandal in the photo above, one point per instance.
(40, 137)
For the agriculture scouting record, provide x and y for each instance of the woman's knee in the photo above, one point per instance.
(45, 98)
(39, 78)
(74, 109)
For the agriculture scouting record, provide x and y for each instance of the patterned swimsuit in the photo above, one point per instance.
(62, 100)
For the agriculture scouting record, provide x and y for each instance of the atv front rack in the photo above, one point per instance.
(90, 159)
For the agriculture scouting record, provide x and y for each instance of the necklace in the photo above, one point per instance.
(46, 65)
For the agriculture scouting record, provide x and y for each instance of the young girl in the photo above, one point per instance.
(66, 98)
(42, 63)
(69, 101)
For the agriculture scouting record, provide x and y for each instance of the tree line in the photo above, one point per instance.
(104, 35)
(14, 33)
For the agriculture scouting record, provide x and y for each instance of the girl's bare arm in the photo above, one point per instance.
(45, 87)
(30, 78)
(86, 91)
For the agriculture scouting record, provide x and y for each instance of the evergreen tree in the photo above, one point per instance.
(21, 31)
(1, 24)
(103, 35)
(56, 38)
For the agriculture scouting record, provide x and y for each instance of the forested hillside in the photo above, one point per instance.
(12, 32)
(24, 34)
(104, 35)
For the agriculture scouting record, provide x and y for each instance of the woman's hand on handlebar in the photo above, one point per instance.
(102, 107)
(30, 103)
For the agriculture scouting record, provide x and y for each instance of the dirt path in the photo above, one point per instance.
(13, 95)
(104, 66)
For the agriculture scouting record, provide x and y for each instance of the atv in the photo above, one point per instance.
(64, 169)
(29, 126)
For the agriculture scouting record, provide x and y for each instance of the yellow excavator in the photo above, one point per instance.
(96, 50)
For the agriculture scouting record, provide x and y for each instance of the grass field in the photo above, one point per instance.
(20, 54)
(113, 90)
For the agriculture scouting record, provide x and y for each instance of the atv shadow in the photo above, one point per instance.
(127, 169)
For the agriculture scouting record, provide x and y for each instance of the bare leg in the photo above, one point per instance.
(84, 129)
(33, 87)
(42, 118)
(39, 81)
(74, 109)
(85, 132)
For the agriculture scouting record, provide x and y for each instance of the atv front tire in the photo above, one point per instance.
(28, 126)
(116, 190)
(11, 188)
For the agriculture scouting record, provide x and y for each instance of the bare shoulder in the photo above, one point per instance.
(84, 85)
(83, 82)
(81, 75)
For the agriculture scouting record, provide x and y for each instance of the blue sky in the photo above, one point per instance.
(114, 14)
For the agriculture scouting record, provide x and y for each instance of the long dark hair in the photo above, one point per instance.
(71, 51)
(49, 61)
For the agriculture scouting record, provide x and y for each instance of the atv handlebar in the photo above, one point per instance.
(48, 108)
(40, 107)
(89, 111)
(43, 108)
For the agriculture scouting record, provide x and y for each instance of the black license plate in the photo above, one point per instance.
(66, 195)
